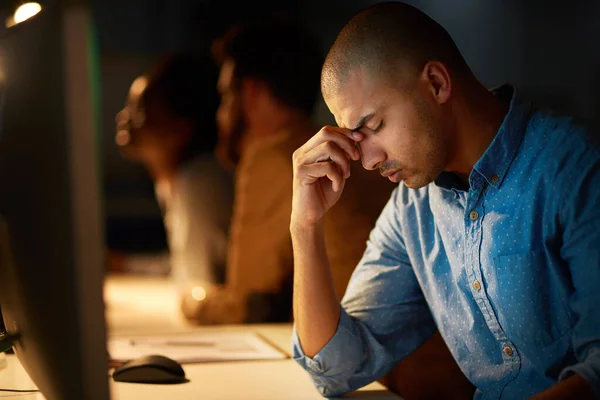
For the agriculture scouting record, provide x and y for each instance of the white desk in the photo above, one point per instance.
(13, 376)
(143, 306)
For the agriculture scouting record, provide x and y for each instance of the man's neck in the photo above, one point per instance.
(479, 115)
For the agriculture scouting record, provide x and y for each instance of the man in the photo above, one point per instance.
(168, 125)
(269, 83)
(491, 236)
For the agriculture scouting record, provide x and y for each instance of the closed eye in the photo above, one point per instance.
(379, 127)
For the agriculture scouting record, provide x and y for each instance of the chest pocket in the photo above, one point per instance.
(531, 299)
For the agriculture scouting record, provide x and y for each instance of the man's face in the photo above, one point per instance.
(403, 128)
(131, 120)
(144, 129)
(230, 116)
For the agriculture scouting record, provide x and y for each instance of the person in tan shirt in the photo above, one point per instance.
(269, 84)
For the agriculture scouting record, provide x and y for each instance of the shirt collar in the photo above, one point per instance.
(496, 160)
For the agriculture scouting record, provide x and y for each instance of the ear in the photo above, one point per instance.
(438, 80)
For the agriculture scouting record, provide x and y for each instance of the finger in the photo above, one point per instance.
(350, 134)
(329, 151)
(343, 137)
(309, 174)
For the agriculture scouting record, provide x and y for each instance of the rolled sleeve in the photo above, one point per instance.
(328, 365)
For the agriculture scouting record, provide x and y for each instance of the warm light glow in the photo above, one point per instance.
(26, 11)
(198, 293)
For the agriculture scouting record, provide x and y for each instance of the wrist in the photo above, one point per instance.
(302, 228)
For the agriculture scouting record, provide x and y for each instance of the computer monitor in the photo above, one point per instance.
(51, 258)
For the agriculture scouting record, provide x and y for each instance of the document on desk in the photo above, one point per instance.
(196, 348)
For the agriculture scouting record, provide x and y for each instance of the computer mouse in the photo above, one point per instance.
(150, 369)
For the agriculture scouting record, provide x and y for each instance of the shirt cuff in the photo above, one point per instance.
(343, 349)
(589, 369)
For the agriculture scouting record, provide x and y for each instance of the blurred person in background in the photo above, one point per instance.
(269, 84)
(168, 125)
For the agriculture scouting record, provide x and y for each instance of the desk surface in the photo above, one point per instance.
(148, 306)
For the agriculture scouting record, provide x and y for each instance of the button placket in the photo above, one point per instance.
(474, 232)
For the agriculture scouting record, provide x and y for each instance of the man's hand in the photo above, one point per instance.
(321, 168)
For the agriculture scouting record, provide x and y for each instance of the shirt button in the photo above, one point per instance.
(474, 215)
(477, 285)
(495, 179)
(508, 351)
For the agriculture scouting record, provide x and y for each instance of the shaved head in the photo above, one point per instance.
(389, 41)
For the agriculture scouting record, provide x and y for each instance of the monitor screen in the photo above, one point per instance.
(51, 258)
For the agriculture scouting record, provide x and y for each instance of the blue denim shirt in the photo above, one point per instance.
(508, 270)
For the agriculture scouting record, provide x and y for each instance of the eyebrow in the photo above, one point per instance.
(362, 122)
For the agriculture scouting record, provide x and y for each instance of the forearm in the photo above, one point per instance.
(574, 387)
(316, 305)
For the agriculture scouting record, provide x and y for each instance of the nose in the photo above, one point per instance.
(370, 155)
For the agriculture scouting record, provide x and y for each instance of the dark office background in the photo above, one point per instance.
(547, 48)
